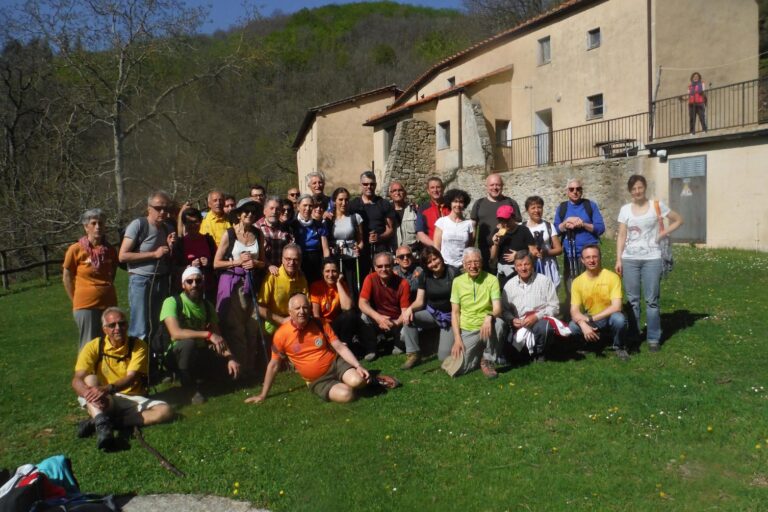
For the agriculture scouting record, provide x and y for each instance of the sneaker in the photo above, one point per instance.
(370, 356)
(104, 433)
(387, 381)
(396, 351)
(86, 428)
(411, 360)
(488, 369)
(622, 354)
(653, 346)
(198, 398)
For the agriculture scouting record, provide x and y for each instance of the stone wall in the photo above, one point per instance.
(605, 182)
(477, 146)
(411, 157)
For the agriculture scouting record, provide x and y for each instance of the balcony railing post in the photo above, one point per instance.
(570, 145)
(743, 104)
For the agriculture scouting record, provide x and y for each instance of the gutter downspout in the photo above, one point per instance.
(649, 19)
(461, 142)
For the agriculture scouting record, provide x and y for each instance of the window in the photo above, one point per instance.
(595, 107)
(389, 136)
(451, 82)
(544, 51)
(593, 38)
(503, 132)
(444, 135)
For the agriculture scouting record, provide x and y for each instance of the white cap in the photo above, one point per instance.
(189, 272)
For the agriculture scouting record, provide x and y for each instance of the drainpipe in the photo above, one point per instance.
(649, 20)
(461, 142)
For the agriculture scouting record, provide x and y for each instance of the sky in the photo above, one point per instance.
(224, 13)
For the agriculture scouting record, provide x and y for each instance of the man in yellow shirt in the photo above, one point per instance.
(598, 293)
(215, 222)
(277, 289)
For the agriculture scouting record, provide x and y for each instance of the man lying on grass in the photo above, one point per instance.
(330, 369)
(109, 382)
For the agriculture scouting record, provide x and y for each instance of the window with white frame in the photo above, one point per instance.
(593, 38)
(503, 132)
(545, 54)
(595, 106)
(444, 135)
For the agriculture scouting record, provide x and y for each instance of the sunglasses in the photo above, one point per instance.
(396, 190)
(121, 324)
(193, 281)
(294, 194)
(384, 266)
(403, 256)
(160, 208)
(369, 184)
(575, 189)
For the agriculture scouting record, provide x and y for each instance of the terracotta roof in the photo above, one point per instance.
(527, 25)
(312, 112)
(440, 94)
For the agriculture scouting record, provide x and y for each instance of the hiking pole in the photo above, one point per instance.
(251, 285)
(357, 272)
(159, 456)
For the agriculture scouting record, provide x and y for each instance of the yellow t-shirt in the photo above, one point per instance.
(214, 226)
(114, 363)
(275, 292)
(595, 294)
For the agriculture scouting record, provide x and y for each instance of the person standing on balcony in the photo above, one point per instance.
(697, 103)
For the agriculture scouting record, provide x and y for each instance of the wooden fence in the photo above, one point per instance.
(45, 249)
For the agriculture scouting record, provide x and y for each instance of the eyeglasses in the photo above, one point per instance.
(193, 281)
(368, 184)
(249, 213)
(396, 190)
(161, 208)
(122, 324)
(403, 256)
(293, 194)
(575, 189)
(386, 265)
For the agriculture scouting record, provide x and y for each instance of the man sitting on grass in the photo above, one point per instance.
(598, 292)
(109, 381)
(329, 368)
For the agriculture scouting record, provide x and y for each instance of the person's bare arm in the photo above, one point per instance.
(389, 229)
(350, 358)
(69, 283)
(315, 310)
(675, 221)
(557, 246)
(345, 300)
(269, 378)
(437, 240)
(615, 307)
(424, 239)
(621, 240)
(219, 263)
(383, 322)
(126, 255)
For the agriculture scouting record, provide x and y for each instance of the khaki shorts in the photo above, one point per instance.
(322, 385)
(126, 404)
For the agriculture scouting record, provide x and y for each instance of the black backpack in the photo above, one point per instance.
(160, 364)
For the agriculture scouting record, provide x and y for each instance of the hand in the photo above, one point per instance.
(233, 368)
(247, 261)
(97, 396)
(255, 399)
(195, 263)
(457, 349)
(517, 323)
(171, 239)
(340, 279)
(485, 329)
(362, 372)
(509, 256)
(495, 239)
(529, 320)
(373, 237)
(618, 267)
(407, 316)
(218, 343)
(662, 234)
(590, 333)
(161, 252)
(273, 270)
(328, 215)
(384, 323)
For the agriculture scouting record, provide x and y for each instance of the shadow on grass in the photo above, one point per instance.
(679, 320)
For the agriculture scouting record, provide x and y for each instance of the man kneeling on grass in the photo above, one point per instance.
(109, 382)
(323, 361)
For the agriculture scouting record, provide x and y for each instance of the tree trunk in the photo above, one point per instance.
(118, 142)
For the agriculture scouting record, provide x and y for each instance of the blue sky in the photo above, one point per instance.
(224, 13)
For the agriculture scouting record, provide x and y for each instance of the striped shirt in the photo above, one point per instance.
(538, 294)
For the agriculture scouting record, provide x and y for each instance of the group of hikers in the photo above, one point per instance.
(320, 284)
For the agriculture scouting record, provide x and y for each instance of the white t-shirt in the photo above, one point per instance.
(642, 231)
(548, 265)
(454, 240)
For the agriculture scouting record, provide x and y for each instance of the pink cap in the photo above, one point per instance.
(505, 212)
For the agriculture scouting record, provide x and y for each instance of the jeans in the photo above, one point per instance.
(145, 297)
(647, 272)
(615, 325)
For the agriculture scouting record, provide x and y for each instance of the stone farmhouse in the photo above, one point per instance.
(595, 89)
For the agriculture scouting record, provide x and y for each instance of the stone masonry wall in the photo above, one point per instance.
(412, 156)
(605, 182)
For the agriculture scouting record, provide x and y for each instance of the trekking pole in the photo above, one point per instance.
(357, 272)
(159, 456)
(251, 285)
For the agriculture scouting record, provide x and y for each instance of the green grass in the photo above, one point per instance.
(595, 434)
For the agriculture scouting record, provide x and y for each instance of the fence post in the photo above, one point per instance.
(570, 144)
(743, 101)
(3, 266)
(45, 263)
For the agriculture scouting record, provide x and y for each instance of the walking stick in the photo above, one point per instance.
(251, 285)
(357, 272)
(159, 456)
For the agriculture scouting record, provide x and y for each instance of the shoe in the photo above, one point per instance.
(86, 428)
(104, 432)
(370, 356)
(488, 369)
(198, 398)
(539, 358)
(397, 351)
(622, 354)
(411, 360)
(387, 381)
(653, 346)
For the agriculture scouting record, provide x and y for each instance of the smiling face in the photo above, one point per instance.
(457, 206)
(383, 266)
(524, 268)
(575, 190)
(341, 202)
(299, 310)
(494, 186)
(638, 191)
(435, 265)
(291, 261)
(535, 211)
(473, 264)
(216, 202)
(590, 257)
(305, 208)
(435, 190)
(229, 205)
(330, 274)
(404, 257)
(116, 327)
(271, 212)
(316, 185)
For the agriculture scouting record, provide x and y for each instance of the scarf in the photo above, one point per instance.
(97, 254)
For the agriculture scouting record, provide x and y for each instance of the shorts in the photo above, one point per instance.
(322, 385)
(126, 404)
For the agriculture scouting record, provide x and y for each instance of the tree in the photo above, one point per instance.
(114, 55)
(499, 15)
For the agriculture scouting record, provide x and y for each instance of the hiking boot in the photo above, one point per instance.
(370, 356)
(411, 360)
(198, 398)
(653, 346)
(622, 354)
(104, 434)
(396, 351)
(488, 369)
(86, 428)
(387, 381)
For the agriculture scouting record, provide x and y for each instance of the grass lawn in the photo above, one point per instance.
(684, 429)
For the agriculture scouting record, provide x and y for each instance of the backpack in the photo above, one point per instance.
(160, 364)
(564, 207)
(143, 233)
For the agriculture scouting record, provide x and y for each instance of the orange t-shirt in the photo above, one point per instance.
(309, 349)
(93, 289)
(327, 297)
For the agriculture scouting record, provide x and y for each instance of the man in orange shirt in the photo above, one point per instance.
(323, 361)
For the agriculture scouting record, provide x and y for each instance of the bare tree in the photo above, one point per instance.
(498, 15)
(114, 53)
